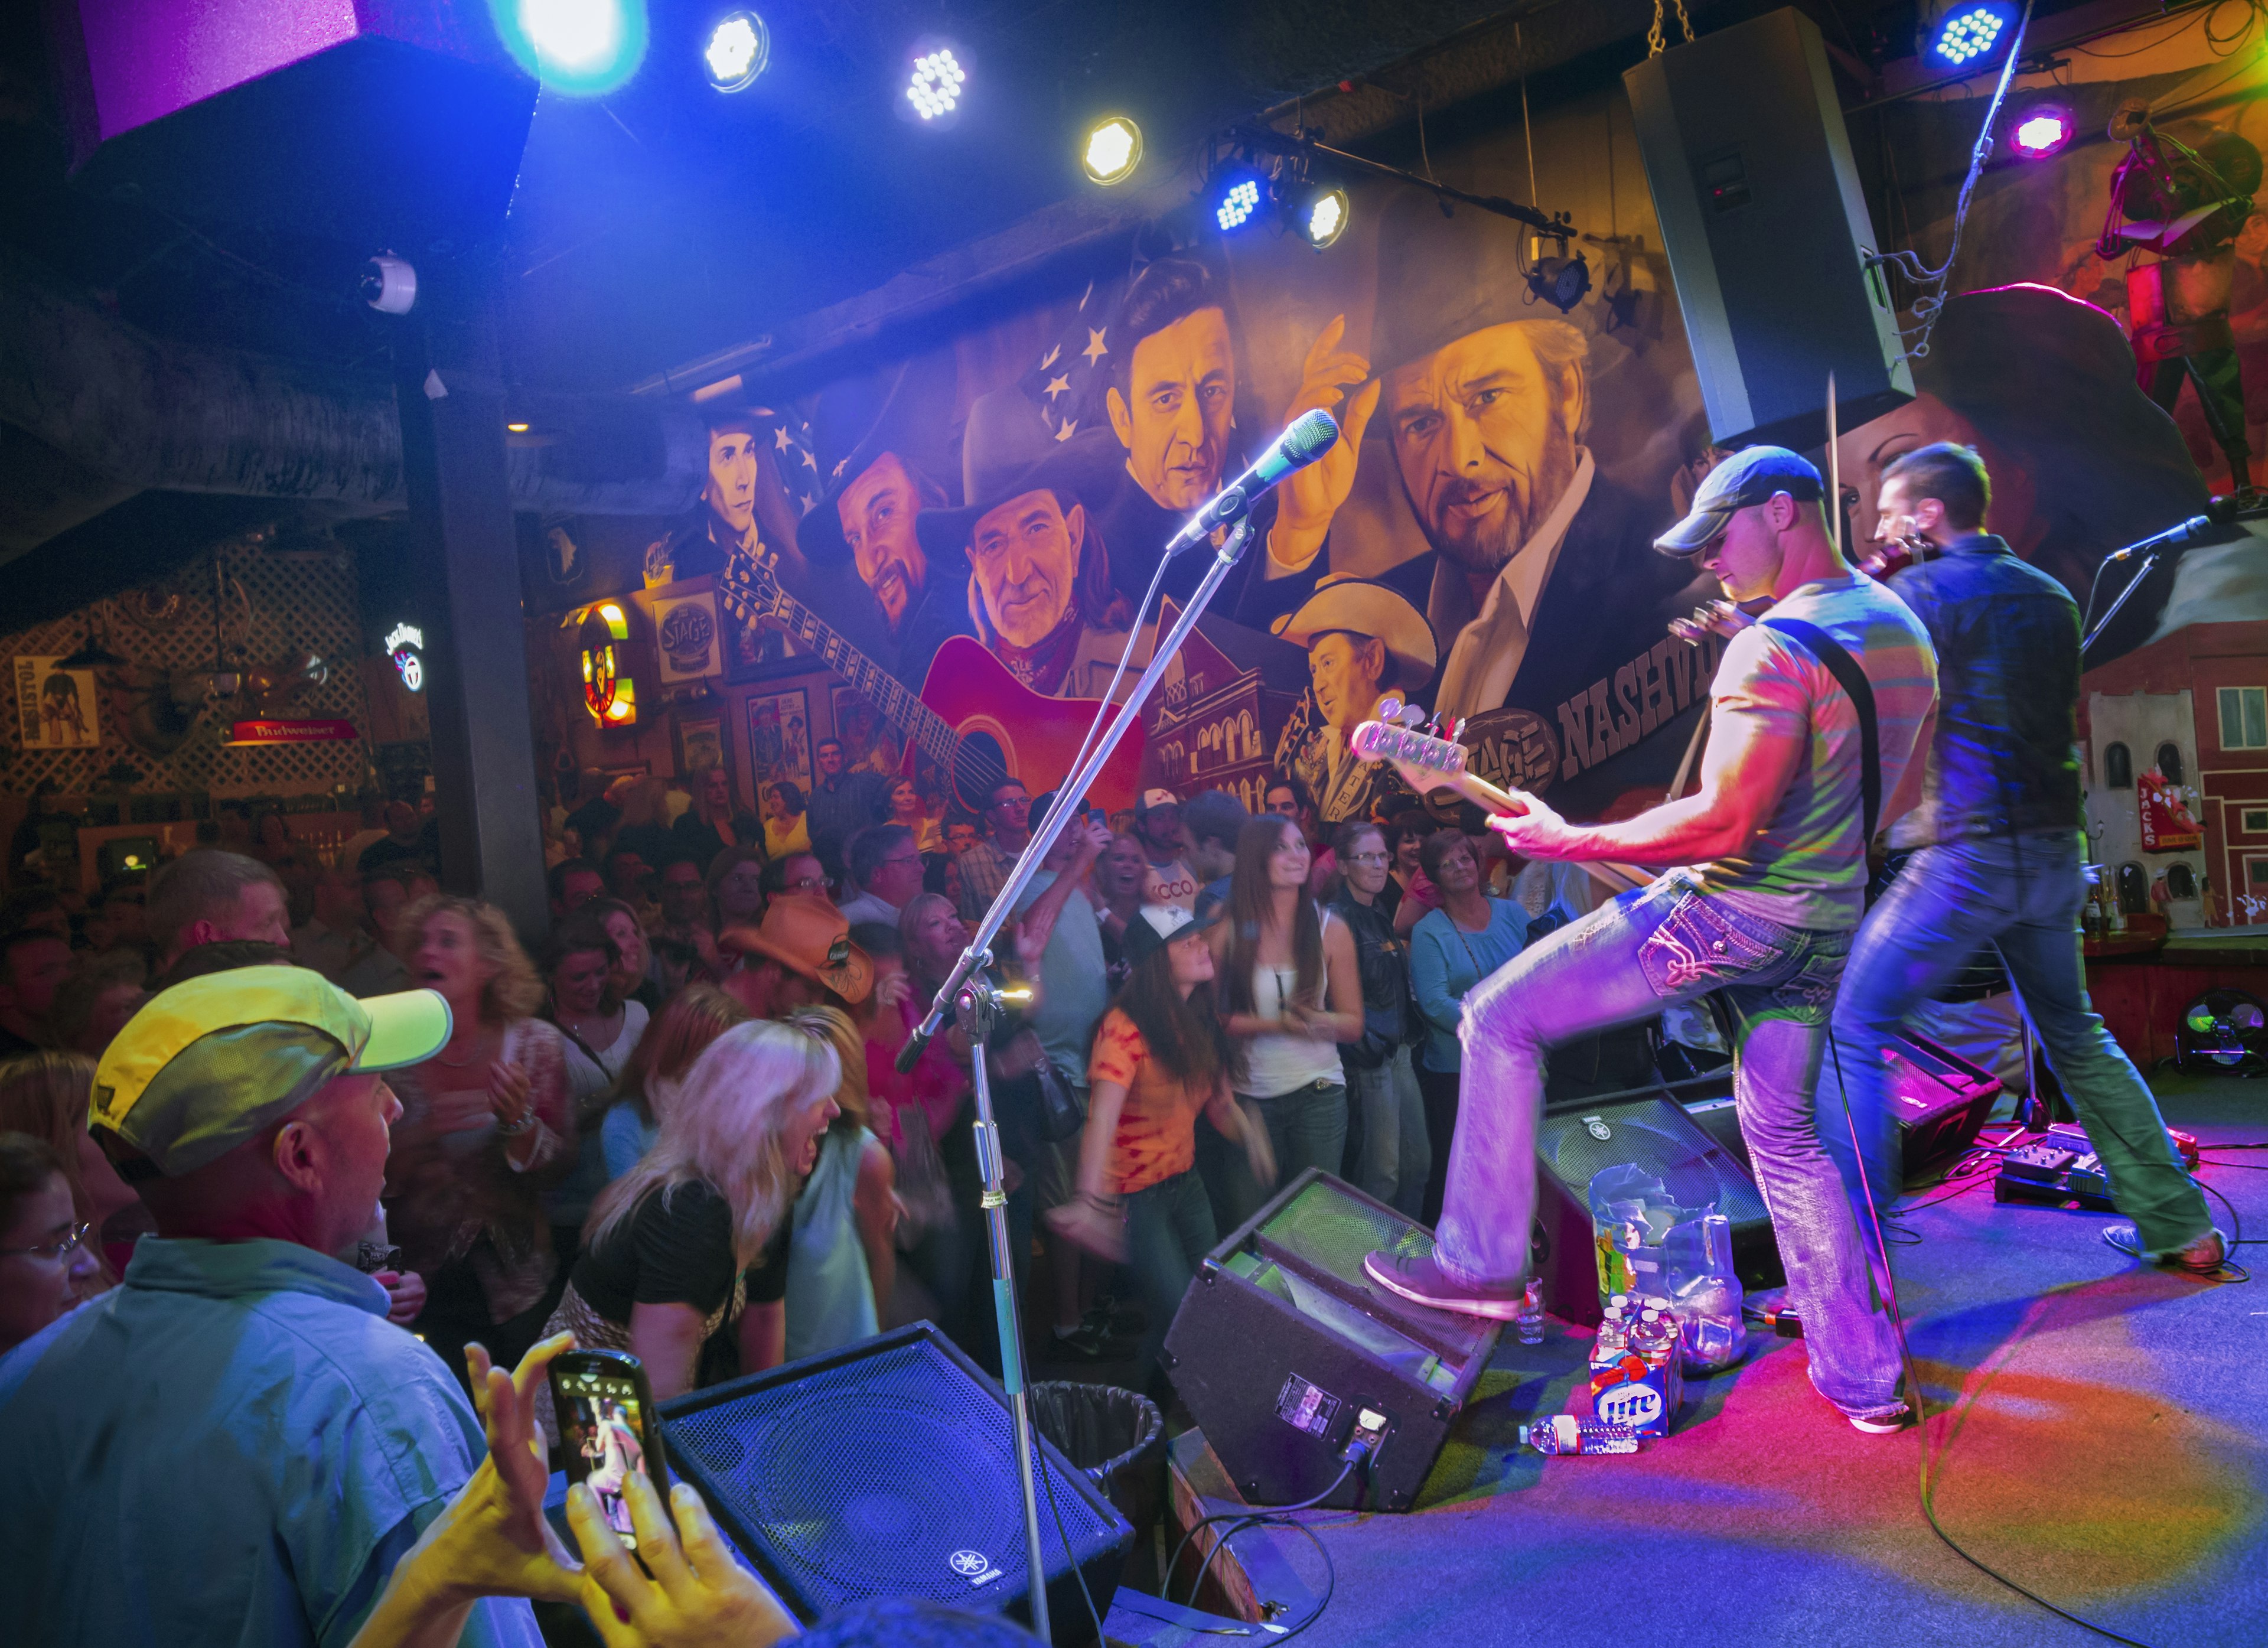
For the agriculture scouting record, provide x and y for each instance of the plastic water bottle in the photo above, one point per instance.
(1643, 1389)
(1708, 1306)
(1530, 1320)
(1608, 1349)
(1565, 1433)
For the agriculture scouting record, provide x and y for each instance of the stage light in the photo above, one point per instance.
(934, 88)
(1114, 148)
(515, 428)
(1557, 278)
(580, 48)
(1237, 198)
(2043, 130)
(738, 48)
(1964, 31)
(1322, 217)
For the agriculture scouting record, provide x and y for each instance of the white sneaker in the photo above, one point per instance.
(1882, 1424)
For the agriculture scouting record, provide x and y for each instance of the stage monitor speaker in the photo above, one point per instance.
(1767, 232)
(1939, 1098)
(379, 124)
(1284, 1350)
(887, 1469)
(1575, 1143)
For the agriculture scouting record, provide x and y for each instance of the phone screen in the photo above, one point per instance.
(602, 1424)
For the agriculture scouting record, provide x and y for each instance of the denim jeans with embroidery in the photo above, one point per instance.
(1623, 963)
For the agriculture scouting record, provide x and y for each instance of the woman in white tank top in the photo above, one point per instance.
(1290, 993)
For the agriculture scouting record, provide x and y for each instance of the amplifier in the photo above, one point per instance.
(887, 1469)
(1284, 1351)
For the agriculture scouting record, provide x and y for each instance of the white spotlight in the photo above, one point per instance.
(1114, 148)
(738, 48)
(934, 89)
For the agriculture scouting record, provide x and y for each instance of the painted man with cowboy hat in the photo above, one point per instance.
(1364, 639)
(870, 576)
(1039, 590)
(1544, 593)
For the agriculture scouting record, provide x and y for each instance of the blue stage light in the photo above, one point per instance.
(738, 48)
(1237, 198)
(1966, 30)
(580, 48)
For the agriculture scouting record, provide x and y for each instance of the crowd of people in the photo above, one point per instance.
(254, 1106)
(675, 1126)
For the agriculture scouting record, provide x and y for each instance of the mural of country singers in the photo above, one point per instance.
(1477, 542)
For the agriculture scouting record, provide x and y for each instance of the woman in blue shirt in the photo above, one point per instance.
(1451, 950)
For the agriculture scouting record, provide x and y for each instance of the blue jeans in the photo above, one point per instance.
(1397, 1156)
(2021, 895)
(1169, 1230)
(1623, 963)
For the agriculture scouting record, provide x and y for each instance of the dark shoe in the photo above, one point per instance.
(1082, 1344)
(1414, 1277)
(1110, 1321)
(2203, 1257)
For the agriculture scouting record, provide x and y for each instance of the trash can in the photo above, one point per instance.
(1117, 1438)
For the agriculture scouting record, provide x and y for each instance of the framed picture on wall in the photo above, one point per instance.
(869, 742)
(779, 738)
(700, 744)
(687, 636)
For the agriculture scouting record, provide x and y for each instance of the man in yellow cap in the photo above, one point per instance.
(235, 1445)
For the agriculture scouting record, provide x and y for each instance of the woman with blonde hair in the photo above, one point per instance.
(696, 1233)
(842, 1263)
(679, 1034)
(487, 1126)
(45, 1094)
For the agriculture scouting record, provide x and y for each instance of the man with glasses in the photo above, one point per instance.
(883, 862)
(986, 866)
(1772, 883)
(234, 1444)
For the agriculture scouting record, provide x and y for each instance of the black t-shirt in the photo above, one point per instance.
(386, 850)
(677, 1249)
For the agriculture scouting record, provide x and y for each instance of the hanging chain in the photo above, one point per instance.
(1656, 40)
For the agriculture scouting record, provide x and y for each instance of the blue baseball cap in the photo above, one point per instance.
(1750, 475)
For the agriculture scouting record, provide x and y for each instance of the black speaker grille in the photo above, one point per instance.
(1657, 1136)
(1331, 1231)
(868, 1478)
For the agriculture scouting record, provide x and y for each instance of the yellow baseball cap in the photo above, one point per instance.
(207, 1064)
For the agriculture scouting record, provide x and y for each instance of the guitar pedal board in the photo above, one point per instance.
(2061, 1168)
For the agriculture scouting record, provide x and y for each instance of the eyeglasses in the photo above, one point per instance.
(1369, 857)
(911, 857)
(808, 881)
(57, 1249)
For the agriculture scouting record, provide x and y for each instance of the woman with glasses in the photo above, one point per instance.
(1389, 1154)
(45, 1261)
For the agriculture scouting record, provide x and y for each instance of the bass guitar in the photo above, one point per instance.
(974, 722)
(1428, 763)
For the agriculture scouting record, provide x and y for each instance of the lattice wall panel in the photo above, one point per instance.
(272, 603)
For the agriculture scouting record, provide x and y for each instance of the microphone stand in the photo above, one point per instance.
(969, 995)
(2243, 506)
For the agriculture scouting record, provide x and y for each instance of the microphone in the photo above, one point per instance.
(1312, 434)
(2218, 512)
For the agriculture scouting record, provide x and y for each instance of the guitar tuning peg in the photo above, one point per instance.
(1389, 708)
(1457, 730)
(1411, 716)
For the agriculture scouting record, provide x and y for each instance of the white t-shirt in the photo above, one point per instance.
(1807, 867)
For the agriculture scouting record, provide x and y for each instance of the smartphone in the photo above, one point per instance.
(608, 1429)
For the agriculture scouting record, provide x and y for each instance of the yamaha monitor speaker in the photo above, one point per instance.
(1284, 1351)
(1576, 1142)
(1767, 232)
(887, 1469)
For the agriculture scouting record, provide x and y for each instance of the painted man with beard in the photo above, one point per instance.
(871, 575)
(1039, 590)
(1545, 595)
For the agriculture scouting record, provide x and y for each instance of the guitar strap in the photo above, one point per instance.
(1852, 679)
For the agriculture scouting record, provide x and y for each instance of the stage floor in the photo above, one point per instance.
(2096, 1428)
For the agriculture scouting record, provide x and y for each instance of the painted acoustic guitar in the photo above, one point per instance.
(1428, 763)
(972, 720)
